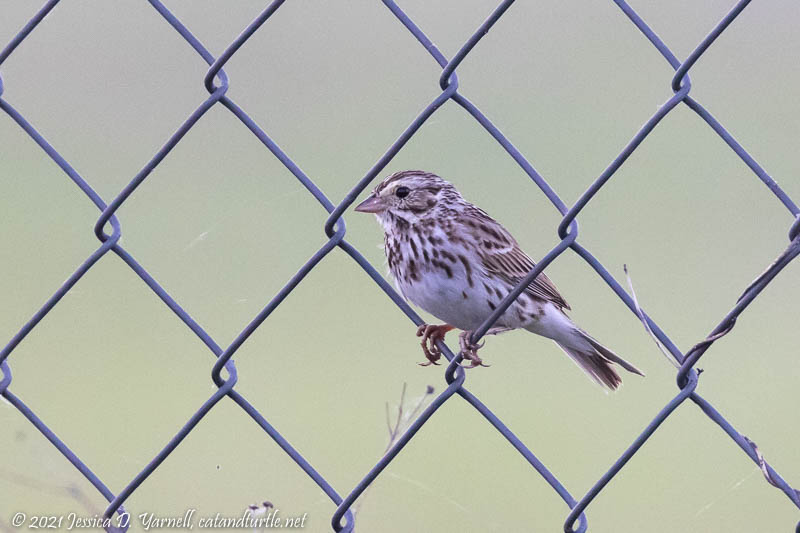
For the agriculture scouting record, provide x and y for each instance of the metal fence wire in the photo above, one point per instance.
(216, 82)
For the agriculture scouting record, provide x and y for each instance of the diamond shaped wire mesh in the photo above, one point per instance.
(217, 83)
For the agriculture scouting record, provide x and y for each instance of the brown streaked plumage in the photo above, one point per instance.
(455, 261)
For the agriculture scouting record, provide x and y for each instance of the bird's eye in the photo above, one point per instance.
(402, 192)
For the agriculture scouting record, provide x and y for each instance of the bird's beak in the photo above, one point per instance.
(373, 204)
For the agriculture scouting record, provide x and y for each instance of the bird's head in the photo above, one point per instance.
(412, 195)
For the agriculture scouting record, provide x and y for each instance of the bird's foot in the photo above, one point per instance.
(430, 334)
(469, 351)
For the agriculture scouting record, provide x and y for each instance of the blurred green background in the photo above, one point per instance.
(222, 225)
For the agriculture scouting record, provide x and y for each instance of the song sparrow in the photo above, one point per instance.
(456, 262)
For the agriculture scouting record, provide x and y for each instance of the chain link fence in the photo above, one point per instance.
(108, 231)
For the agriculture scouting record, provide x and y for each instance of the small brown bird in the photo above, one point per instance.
(457, 263)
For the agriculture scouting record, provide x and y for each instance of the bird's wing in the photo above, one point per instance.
(501, 256)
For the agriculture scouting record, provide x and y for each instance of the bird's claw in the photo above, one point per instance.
(431, 334)
(469, 351)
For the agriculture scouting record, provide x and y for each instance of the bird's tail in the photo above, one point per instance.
(595, 359)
